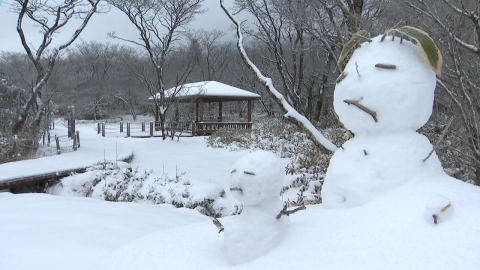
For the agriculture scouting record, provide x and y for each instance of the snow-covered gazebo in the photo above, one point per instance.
(207, 92)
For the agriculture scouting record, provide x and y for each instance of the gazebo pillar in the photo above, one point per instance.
(220, 113)
(196, 112)
(249, 111)
(200, 110)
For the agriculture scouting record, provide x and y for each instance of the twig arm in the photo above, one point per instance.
(439, 139)
(286, 212)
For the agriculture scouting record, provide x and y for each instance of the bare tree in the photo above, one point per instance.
(50, 17)
(159, 24)
(290, 113)
(456, 26)
(210, 56)
(301, 39)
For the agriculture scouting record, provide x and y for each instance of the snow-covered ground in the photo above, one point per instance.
(393, 231)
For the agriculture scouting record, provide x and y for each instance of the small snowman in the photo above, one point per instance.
(384, 95)
(256, 181)
(438, 209)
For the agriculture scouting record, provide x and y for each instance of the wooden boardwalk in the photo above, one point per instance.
(17, 182)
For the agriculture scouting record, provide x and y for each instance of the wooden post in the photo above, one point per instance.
(200, 116)
(151, 129)
(15, 147)
(53, 124)
(196, 112)
(74, 142)
(220, 113)
(128, 129)
(103, 129)
(143, 126)
(48, 143)
(68, 125)
(249, 111)
(78, 139)
(98, 128)
(43, 137)
(193, 128)
(72, 127)
(71, 121)
(58, 144)
(121, 126)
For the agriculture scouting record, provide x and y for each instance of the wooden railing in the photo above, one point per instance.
(211, 127)
(202, 128)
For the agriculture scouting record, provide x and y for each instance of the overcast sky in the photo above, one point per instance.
(101, 24)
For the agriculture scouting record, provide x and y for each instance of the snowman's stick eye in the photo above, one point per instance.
(250, 173)
(234, 171)
(445, 208)
(385, 66)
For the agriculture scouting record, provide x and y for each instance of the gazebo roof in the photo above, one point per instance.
(208, 91)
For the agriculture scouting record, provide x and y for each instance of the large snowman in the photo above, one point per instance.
(385, 96)
(255, 181)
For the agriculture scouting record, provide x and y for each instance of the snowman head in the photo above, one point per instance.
(400, 93)
(257, 178)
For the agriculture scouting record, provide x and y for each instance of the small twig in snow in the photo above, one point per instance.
(365, 152)
(250, 173)
(356, 66)
(445, 208)
(284, 211)
(385, 66)
(219, 225)
(439, 139)
(236, 189)
(363, 108)
(341, 77)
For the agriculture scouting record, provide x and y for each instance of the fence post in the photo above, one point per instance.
(98, 128)
(193, 128)
(78, 139)
(15, 147)
(103, 129)
(74, 146)
(151, 129)
(128, 129)
(69, 134)
(143, 126)
(58, 144)
(121, 126)
(48, 143)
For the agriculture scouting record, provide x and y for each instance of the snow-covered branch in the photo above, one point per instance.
(290, 113)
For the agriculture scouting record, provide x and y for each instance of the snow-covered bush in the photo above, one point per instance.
(118, 182)
(307, 165)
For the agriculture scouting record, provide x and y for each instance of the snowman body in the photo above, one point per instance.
(256, 181)
(402, 99)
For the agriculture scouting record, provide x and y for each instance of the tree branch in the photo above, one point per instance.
(290, 113)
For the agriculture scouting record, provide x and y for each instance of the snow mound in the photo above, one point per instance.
(388, 233)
